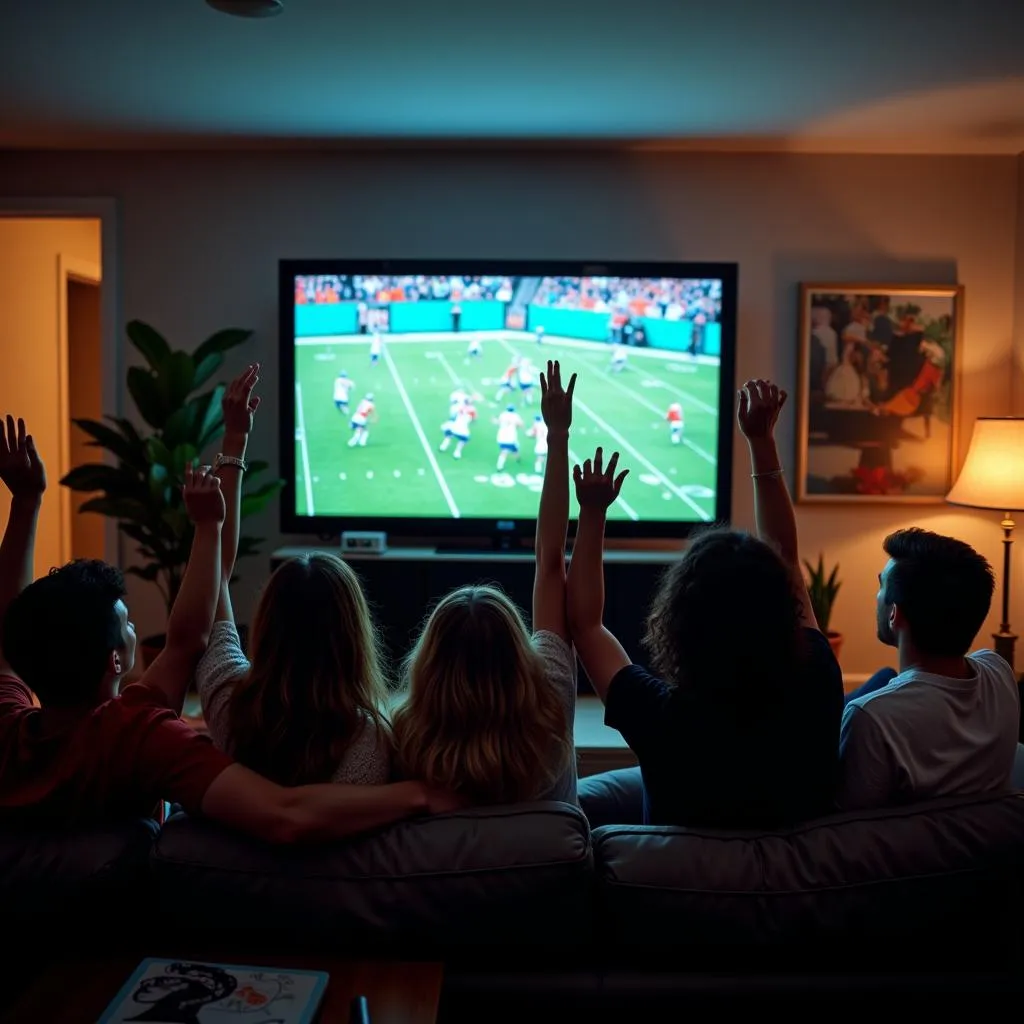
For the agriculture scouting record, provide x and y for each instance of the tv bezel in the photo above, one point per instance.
(472, 528)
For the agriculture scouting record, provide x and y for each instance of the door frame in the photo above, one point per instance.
(70, 268)
(105, 210)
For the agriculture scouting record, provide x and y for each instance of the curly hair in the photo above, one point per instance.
(59, 632)
(480, 717)
(725, 623)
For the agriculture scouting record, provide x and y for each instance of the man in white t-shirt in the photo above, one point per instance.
(947, 724)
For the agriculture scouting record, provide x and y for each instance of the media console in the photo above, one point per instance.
(402, 584)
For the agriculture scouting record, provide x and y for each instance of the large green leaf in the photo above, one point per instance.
(184, 455)
(222, 341)
(144, 388)
(127, 509)
(175, 379)
(117, 481)
(258, 500)
(115, 442)
(254, 467)
(207, 368)
(182, 427)
(149, 342)
(157, 452)
(210, 417)
(127, 428)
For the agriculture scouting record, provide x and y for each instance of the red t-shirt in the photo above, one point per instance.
(116, 761)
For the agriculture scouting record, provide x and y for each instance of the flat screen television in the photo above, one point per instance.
(410, 402)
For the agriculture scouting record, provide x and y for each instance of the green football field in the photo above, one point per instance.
(402, 472)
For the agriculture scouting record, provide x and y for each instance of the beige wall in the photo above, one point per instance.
(30, 377)
(201, 235)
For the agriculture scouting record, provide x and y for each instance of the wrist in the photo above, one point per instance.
(235, 444)
(208, 528)
(27, 502)
(560, 436)
(764, 455)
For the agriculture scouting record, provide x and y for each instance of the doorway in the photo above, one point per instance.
(83, 307)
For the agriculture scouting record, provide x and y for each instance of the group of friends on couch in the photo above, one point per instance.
(741, 724)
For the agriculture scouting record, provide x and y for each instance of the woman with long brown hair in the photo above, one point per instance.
(309, 706)
(489, 709)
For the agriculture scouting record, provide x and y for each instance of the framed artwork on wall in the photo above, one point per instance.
(878, 392)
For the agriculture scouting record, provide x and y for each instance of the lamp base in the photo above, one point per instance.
(1005, 642)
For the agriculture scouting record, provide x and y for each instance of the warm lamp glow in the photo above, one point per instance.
(993, 472)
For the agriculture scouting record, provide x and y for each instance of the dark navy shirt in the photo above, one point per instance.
(723, 767)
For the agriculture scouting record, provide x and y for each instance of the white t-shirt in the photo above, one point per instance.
(539, 433)
(926, 736)
(342, 387)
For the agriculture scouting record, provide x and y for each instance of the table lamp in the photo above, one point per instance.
(993, 477)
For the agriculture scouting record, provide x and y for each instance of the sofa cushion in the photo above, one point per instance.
(939, 872)
(75, 872)
(479, 876)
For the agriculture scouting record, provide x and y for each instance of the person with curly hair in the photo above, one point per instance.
(740, 726)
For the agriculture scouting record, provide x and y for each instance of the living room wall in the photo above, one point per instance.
(200, 235)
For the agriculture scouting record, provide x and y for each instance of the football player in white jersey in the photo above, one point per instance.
(343, 385)
(619, 357)
(375, 348)
(457, 429)
(509, 425)
(527, 380)
(539, 432)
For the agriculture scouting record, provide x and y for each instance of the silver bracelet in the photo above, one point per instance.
(767, 473)
(229, 460)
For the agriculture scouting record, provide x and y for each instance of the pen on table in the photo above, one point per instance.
(360, 1012)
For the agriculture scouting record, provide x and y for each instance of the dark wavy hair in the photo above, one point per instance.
(725, 623)
(59, 631)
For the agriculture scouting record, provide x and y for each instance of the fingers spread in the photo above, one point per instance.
(617, 486)
(572, 386)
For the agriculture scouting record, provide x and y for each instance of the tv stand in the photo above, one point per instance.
(402, 584)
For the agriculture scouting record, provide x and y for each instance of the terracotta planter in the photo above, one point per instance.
(835, 641)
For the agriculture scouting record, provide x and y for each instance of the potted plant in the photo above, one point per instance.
(822, 589)
(141, 489)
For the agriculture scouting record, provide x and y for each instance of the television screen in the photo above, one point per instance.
(415, 395)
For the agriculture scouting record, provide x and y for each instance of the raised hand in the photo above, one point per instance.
(204, 500)
(239, 404)
(21, 469)
(758, 408)
(597, 486)
(556, 402)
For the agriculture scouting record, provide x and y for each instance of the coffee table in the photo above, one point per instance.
(78, 990)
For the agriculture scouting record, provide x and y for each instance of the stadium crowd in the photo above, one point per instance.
(329, 288)
(660, 298)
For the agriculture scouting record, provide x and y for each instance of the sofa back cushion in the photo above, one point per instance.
(945, 875)
(73, 874)
(481, 876)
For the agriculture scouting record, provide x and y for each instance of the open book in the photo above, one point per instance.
(188, 992)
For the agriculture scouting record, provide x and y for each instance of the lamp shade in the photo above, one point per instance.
(993, 472)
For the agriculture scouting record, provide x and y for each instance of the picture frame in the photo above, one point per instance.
(878, 392)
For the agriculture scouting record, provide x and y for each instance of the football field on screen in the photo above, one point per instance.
(402, 472)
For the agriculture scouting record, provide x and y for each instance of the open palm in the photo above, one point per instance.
(21, 469)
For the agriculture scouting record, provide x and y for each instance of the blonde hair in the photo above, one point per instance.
(480, 717)
(315, 680)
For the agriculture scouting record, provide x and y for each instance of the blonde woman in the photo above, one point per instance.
(309, 705)
(489, 710)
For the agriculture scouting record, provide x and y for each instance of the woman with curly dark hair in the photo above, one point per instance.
(740, 728)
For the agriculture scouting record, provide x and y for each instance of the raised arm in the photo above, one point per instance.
(22, 471)
(757, 411)
(239, 406)
(191, 618)
(553, 516)
(602, 655)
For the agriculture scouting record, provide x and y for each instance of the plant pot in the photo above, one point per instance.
(835, 641)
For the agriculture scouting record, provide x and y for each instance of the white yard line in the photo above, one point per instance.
(441, 482)
(691, 398)
(439, 356)
(626, 507)
(707, 456)
(651, 468)
(301, 424)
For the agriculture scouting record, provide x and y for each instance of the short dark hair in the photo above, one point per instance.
(725, 621)
(943, 588)
(59, 631)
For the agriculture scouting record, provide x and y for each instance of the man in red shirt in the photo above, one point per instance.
(92, 752)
